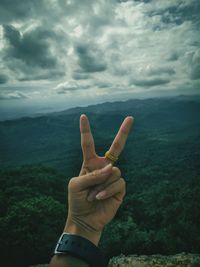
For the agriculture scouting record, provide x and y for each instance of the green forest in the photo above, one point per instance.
(160, 163)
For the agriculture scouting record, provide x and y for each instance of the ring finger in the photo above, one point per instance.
(116, 174)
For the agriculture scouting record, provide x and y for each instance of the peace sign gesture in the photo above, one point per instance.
(96, 194)
(91, 161)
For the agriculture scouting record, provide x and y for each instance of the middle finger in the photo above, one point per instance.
(121, 137)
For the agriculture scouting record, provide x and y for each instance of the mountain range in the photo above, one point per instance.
(54, 138)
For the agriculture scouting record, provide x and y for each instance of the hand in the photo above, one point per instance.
(87, 216)
(95, 195)
(91, 161)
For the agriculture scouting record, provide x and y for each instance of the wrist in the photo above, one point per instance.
(72, 227)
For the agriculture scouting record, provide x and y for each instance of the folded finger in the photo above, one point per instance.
(115, 175)
(115, 189)
(89, 180)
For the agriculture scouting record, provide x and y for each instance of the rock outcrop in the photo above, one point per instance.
(179, 260)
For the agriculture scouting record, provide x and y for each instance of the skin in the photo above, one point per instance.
(96, 194)
(91, 161)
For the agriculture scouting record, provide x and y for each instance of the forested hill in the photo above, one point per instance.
(54, 138)
(160, 163)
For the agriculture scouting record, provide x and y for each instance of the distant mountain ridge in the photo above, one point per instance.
(121, 105)
(49, 138)
(97, 108)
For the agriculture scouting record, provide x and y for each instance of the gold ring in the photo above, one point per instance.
(110, 156)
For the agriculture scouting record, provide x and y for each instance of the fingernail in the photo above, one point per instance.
(131, 117)
(101, 195)
(106, 169)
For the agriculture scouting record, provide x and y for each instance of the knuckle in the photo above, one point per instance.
(86, 145)
(125, 131)
(94, 174)
(72, 183)
(123, 182)
(117, 146)
(117, 172)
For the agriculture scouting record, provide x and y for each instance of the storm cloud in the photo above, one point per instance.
(30, 55)
(90, 59)
(99, 48)
(150, 82)
(194, 65)
(3, 78)
(14, 95)
(20, 10)
(32, 48)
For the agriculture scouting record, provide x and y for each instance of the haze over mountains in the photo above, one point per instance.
(51, 138)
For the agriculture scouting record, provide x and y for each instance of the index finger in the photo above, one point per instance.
(87, 141)
(121, 137)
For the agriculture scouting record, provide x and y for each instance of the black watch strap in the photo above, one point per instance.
(82, 248)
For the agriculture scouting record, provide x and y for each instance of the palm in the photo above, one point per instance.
(96, 213)
(93, 164)
(102, 212)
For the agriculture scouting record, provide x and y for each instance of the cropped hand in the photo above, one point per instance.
(87, 216)
(96, 194)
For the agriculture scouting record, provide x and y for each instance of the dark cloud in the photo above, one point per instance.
(15, 95)
(90, 59)
(142, 1)
(117, 69)
(3, 78)
(103, 84)
(195, 65)
(178, 13)
(18, 10)
(99, 21)
(150, 82)
(174, 56)
(162, 70)
(32, 47)
(52, 74)
(29, 56)
(182, 12)
(80, 76)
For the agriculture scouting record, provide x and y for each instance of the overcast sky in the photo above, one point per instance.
(62, 53)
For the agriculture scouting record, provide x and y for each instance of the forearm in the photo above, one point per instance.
(82, 230)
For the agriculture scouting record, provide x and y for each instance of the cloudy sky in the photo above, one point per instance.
(55, 54)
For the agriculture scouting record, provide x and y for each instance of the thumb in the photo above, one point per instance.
(96, 177)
